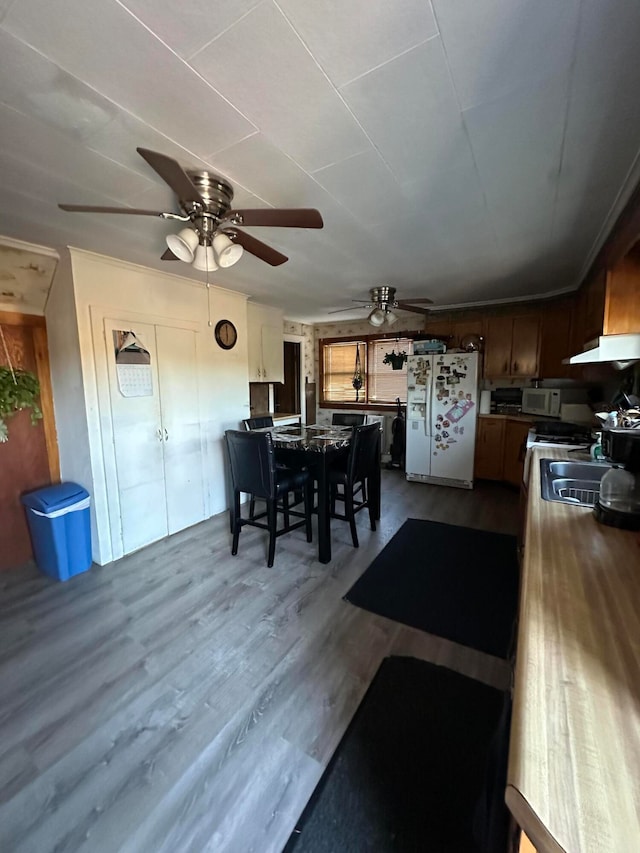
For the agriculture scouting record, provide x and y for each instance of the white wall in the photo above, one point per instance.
(66, 378)
(104, 287)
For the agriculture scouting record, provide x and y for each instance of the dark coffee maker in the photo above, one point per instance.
(618, 503)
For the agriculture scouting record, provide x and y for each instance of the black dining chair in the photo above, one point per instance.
(258, 423)
(253, 471)
(347, 419)
(352, 474)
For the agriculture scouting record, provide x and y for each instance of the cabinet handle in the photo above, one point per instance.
(159, 434)
(166, 434)
(505, 369)
(515, 366)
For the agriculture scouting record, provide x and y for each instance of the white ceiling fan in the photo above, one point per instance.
(382, 304)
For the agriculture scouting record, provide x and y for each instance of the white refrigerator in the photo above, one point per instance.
(442, 407)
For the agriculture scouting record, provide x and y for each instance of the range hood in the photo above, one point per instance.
(622, 350)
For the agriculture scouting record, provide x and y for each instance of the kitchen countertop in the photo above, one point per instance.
(277, 416)
(573, 778)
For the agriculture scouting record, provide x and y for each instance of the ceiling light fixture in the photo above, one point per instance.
(382, 314)
(376, 318)
(228, 253)
(205, 259)
(183, 244)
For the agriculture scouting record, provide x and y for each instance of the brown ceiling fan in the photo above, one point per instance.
(210, 237)
(383, 303)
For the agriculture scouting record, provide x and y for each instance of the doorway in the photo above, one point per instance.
(288, 395)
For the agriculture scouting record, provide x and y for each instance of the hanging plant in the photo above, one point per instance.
(18, 390)
(395, 359)
(357, 374)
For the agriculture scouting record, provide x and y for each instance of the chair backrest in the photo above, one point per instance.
(252, 461)
(364, 452)
(258, 423)
(347, 419)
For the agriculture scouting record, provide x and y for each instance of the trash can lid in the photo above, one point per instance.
(55, 497)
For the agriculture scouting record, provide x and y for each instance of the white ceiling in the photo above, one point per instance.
(466, 150)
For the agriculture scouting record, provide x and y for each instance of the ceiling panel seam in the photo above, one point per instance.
(339, 94)
(485, 200)
(570, 86)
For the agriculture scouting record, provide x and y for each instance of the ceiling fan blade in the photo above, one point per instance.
(416, 309)
(85, 208)
(424, 301)
(302, 217)
(257, 248)
(173, 174)
(353, 308)
(168, 255)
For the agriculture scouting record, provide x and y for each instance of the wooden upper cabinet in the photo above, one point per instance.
(556, 341)
(525, 345)
(497, 352)
(594, 306)
(461, 328)
(622, 298)
(439, 328)
(512, 346)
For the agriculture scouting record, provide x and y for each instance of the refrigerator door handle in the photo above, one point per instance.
(429, 401)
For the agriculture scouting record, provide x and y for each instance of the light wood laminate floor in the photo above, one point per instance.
(182, 699)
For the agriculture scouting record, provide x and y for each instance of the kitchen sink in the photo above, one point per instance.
(576, 483)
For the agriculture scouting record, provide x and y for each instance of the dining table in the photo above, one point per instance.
(317, 447)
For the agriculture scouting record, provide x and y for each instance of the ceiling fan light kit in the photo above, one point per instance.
(205, 259)
(227, 252)
(184, 244)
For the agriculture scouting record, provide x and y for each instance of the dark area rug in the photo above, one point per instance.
(455, 582)
(409, 775)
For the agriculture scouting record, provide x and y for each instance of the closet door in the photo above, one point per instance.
(138, 445)
(177, 369)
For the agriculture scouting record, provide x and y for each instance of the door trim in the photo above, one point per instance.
(299, 339)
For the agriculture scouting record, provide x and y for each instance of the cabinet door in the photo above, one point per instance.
(461, 328)
(489, 449)
(525, 345)
(515, 440)
(497, 353)
(622, 310)
(555, 341)
(138, 445)
(272, 354)
(178, 376)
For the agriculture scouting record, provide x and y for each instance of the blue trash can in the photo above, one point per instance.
(60, 528)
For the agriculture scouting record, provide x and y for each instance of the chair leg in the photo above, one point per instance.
(272, 520)
(252, 506)
(348, 509)
(308, 508)
(285, 509)
(236, 523)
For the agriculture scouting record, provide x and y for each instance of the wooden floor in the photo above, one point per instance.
(182, 699)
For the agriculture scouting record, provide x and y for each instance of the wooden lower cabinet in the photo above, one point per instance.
(500, 449)
(515, 448)
(489, 448)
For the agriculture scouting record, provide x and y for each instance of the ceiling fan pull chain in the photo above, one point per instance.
(6, 352)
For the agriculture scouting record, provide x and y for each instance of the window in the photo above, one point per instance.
(381, 384)
(339, 364)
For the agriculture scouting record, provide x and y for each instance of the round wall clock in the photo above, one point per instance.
(226, 334)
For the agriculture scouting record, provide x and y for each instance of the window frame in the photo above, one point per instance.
(412, 335)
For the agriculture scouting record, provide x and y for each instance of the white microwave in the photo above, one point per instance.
(547, 401)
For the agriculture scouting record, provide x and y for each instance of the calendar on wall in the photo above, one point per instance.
(133, 365)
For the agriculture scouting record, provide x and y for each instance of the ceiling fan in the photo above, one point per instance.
(210, 237)
(383, 303)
